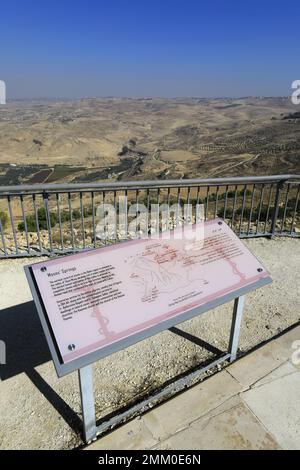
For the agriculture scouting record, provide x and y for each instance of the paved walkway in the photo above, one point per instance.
(40, 411)
(253, 404)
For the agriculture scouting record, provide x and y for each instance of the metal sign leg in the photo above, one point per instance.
(236, 326)
(85, 375)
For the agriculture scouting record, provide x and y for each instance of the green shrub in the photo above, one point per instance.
(247, 191)
(228, 213)
(31, 221)
(76, 214)
(87, 211)
(3, 218)
(64, 217)
(193, 201)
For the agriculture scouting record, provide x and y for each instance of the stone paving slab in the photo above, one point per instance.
(236, 428)
(259, 362)
(276, 404)
(180, 412)
(260, 412)
(133, 435)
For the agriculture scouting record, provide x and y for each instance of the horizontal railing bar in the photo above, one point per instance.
(155, 184)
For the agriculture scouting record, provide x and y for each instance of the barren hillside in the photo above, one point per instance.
(99, 139)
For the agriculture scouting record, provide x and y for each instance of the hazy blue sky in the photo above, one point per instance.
(168, 48)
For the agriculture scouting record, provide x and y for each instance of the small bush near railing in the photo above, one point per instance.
(42, 220)
(3, 218)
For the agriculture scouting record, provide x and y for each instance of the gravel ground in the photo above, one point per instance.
(40, 411)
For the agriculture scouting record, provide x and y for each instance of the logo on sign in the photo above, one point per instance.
(296, 93)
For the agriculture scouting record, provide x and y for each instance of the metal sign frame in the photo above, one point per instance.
(84, 364)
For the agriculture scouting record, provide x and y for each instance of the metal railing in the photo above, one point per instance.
(50, 219)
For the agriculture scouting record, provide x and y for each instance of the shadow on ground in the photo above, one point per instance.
(26, 348)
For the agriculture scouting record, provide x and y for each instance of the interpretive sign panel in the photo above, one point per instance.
(96, 302)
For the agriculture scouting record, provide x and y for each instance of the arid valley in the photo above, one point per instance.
(120, 139)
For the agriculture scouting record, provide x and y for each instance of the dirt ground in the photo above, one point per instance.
(40, 411)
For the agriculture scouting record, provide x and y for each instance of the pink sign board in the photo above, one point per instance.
(96, 298)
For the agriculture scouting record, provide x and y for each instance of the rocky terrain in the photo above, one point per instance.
(125, 139)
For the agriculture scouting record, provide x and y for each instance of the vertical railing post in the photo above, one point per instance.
(276, 207)
(236, 327)
(87, 402)
(3, 238)
(12, 222)
(48, 219)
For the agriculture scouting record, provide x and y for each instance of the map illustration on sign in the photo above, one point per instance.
(162, 269)
(96, 298)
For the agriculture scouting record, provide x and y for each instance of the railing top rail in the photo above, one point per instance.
(123, 185)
